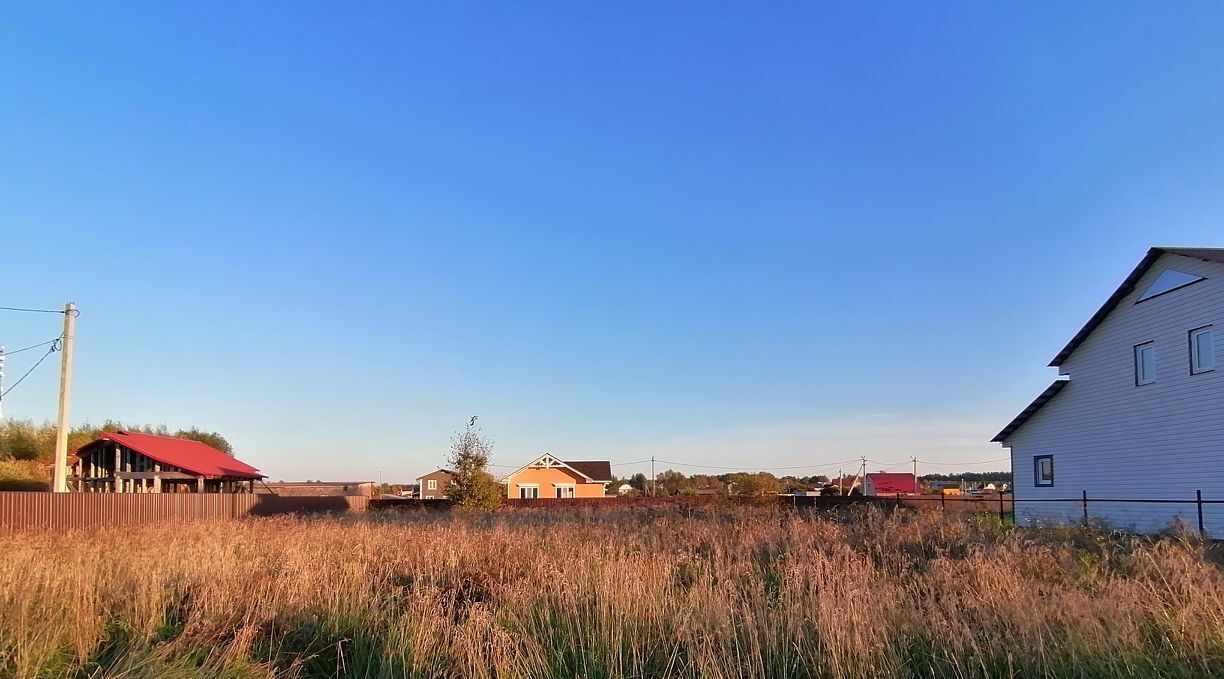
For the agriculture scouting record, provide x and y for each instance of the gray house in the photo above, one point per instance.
(1138, 409)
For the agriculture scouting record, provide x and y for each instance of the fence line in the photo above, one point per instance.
(21, 510)
(1083, 501)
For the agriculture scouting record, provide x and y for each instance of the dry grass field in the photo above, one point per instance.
(723, 593)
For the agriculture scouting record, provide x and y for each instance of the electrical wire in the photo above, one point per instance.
(33, 346)
(801, 466)
(75, 312)
(895, 466)
(957, 464)
(54, 348)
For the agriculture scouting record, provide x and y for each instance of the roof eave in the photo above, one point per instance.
(1031, 409)
(1128, 285)
(1110, 304)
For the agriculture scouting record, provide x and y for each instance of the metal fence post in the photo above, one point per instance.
(1199, 501)
(943, 503)
(1085, 496)
(1002, 516)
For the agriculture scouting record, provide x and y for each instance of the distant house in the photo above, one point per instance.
(318, 488)
(882, 483)
(1138, 409)
(433, 486)
(549, 477)
(127, 462)
(844, 484)
(624, 489)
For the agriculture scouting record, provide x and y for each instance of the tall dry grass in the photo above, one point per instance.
(725, 593)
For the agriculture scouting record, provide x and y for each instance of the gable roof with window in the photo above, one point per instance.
(591, 471)
(1167, 281)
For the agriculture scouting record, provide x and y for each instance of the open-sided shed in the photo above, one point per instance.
(126, 462)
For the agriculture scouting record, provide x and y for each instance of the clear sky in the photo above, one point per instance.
(718, 234)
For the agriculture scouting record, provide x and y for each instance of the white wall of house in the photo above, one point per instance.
(1115, 439)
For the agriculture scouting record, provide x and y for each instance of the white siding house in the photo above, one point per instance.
(1139, 410)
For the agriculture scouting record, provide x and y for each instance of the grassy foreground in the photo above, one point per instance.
(726, 593)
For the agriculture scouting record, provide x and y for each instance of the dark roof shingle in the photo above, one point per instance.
(599, 470)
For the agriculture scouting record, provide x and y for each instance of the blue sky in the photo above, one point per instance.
(720, 234)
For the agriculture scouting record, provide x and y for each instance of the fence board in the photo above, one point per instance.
(21, 510)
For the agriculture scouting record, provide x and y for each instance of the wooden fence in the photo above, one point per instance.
(69, 511)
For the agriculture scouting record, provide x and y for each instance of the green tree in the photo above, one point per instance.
(672, 482)
(210, 438)
(760, 483)
(473, 487)
(639, 482)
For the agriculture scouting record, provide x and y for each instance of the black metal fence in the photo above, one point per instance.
(1004, 503)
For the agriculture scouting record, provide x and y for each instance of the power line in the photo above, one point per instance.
(956, 464)
(33, 346)
(54, 348)
(38, 311)
(741, 468)
(895, 466)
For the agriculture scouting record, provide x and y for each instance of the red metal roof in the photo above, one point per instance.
(884, 483)
(190, 456)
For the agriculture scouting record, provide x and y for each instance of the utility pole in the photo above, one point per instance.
(60, 484)
(652, 477)
(1, 384)
(917, 488)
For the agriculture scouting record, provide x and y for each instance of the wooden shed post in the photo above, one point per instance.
(115, 487)
(157, 478)
(199, 484)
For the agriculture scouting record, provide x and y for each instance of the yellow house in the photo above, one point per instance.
(548, 477)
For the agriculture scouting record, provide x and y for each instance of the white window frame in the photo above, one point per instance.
(1198, 335)
(1138, 356)
(1038, 481)
(533, 487)
(431, 484)
(572, 488)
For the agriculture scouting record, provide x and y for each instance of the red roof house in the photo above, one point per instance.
(882, 483)
(126, 462)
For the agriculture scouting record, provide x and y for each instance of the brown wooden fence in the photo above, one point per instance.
(68, 511)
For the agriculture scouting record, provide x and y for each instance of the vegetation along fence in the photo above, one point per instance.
(66, 511)
(1087, 508)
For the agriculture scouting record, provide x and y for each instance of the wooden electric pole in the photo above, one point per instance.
(60, 483)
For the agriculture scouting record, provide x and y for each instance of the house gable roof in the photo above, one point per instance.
(890, 483)
(1127, 286)
(191, 456)
(593, 471)
(1030, 410)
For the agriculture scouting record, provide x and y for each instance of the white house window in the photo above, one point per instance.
(1202, 350)
(432, 484)
(1145, 363)
(1168, 281)
(565, 491)
(529, 492)
(1043, 470)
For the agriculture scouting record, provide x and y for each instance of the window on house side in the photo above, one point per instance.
(432, 484)
(565, 491)
(1043, 470)
(1145, 363)
(1168, 281)
(528, 492)
(1202, 350)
